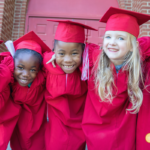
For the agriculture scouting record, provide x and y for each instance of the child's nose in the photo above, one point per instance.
(113, 41)
(67, 59)
(25, 73)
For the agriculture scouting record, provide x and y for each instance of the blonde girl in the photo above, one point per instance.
(115, 85)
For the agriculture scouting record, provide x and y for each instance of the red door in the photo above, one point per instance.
(84, 11)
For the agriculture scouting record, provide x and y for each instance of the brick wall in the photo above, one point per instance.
(125, 4)
(12, 20)
(6, 20)
(1, 15)
(19, 18)
(142, 6)
(13, 15)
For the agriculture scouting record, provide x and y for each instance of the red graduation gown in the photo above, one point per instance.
(143, 121)
(30, 128)
(108, 126)
(65, 96)
(9, 112)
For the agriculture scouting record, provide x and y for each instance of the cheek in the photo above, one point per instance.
(33, 75)
(16, 72)
(105, 42)
(124, 49)
(104, 46)
(58, 60)
(78, 59)
(123, 45)
(104, 49)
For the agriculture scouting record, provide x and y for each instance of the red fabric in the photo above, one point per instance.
(1, 41)
(65, 96)
(109, 126)
(70, 31)
(144, 44)
(30, 129)
(124, 20)
(29, 44)
(9, 112)
(143, 121)
(31, 41)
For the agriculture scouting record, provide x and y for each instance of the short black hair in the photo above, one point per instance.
(36, 54)
(56, 41)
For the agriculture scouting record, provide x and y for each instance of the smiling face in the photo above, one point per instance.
(68, 55)
(116, 46)
(26, 68)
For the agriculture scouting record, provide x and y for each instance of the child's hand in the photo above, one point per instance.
(52, 60)
(9, 62)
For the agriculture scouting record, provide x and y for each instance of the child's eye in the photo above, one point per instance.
(33, 70)
(61, 54)
(74, 53)
(120, 38)
(20, 68)
(108, 37)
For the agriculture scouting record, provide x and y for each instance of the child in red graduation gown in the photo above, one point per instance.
(114, 92)
(66, 92)
(9, 112)
(143, 120)
(28, 91)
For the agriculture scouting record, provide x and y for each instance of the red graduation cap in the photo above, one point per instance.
(70, 31)
(31, 41)
(124, 20)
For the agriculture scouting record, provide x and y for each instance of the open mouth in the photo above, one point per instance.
(112, 50)
(68, 67)
(23, 81)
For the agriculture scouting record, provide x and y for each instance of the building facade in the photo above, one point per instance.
(13, 16)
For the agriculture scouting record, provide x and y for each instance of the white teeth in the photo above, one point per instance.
(68, 66)
(24, 81)
(113, 50)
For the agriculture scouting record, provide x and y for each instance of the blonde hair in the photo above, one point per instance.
(104, 80)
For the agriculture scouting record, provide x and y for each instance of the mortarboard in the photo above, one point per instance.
(31, 41)
(70, 31)
(124, 20)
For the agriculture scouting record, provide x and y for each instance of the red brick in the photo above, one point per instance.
(144, 11)
(129, 4)
(18, 2)
(144, 33)
(144, 7)
(128, 8)
(144, 4)
(23, 4)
